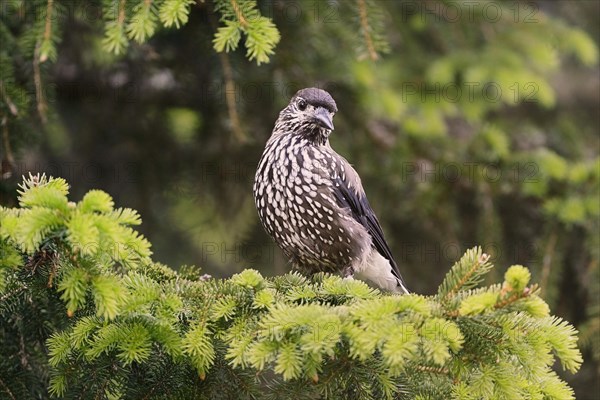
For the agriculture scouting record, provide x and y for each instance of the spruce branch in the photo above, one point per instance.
(513, 297)
(230, 95)
(13, 293)
(174, 12)
(366, 29)
(115, 36)
(137, 325)
(231, 37)
(8, 159)
(238, 13)
(371, 28)
(40, 98)
(465, 273)
(46, 45)
(548, 258)
(434, 370)
(143, 22)
(11, 105)
(7, 390)
(242, 16)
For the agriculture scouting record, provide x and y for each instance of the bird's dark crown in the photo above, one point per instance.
(317, 97)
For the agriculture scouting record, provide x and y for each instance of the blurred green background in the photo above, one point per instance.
(470, 123)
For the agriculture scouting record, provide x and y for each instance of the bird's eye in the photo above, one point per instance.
(302, 104)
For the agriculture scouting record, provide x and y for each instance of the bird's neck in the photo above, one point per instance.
(313, 135)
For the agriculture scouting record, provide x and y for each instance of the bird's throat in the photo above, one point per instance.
(316, 135)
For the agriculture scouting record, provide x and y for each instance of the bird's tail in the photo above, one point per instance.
(378, 270)
(400, 288)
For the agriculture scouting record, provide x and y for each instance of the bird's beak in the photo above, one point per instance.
(323, 118)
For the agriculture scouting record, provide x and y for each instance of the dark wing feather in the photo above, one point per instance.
(364, 215)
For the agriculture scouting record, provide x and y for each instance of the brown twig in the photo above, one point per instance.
(8, 161)
(230, 98)
(453, 313)
(47, 27)
(7, 390)
(13, 293)
(528, 291)
(11, 106)
(238, 13)
(230, 91)
(364, 23)
(42, 106)
(53, 270)
(435, 370)
(547, 260)
(121, 16)
(478, 263)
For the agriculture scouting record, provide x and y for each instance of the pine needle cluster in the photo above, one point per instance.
(86, 313)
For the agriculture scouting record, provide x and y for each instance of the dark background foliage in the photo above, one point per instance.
(466, 127)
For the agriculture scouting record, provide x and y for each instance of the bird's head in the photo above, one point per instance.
(310, 113)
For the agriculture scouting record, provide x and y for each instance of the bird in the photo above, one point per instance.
(311, 201)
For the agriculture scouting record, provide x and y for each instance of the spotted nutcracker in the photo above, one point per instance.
(311, 201)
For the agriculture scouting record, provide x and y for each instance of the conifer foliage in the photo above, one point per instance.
(86, 313)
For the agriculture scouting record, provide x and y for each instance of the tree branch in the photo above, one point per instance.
(478, 263)
(11, 106)
(547, 259)
(7, 390)
(238, 13)
(230, 98)
(42, 106)
(364, 23)
(528, 291)
(48, 27)
(8, 162)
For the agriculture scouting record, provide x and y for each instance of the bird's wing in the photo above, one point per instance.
(355, 199)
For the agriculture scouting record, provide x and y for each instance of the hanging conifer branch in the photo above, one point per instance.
(242, 16)
(143, 22)
(366, 29)
(11, 105)
(238, 13)
(40, 99)
(8, 159)
(115, 37)
(548, 258)
(6, 390)
(46, 45)
(230, 91)
(175, 12)
(371, 28)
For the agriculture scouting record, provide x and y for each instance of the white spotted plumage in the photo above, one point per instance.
(311, 201)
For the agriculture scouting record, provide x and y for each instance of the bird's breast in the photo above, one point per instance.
(294, 196)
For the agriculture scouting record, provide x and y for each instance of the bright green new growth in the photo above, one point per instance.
(143, 330)
(140, 22)
(517, 277)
